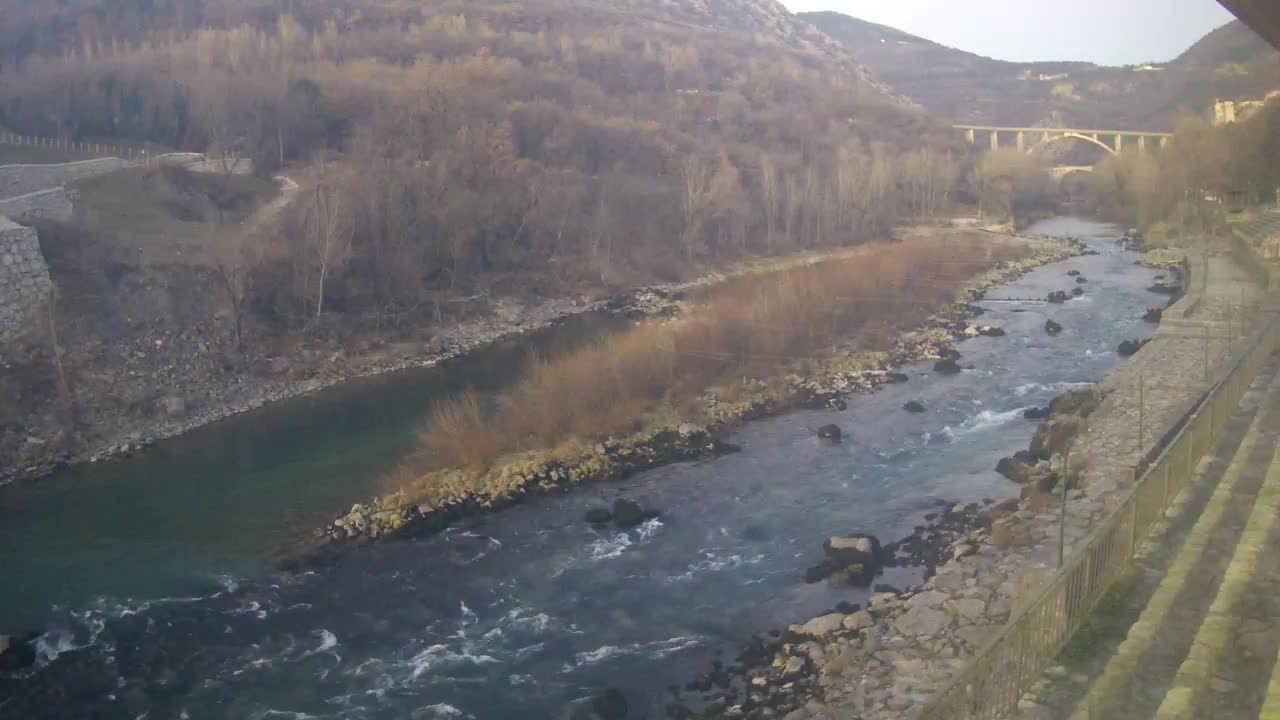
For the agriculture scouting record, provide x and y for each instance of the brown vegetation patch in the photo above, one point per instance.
(753, 327)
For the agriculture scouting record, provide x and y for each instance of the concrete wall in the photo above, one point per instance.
(53, 204)
(24, 278)
(24, 179)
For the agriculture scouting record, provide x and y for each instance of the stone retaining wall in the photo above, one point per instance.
(18, 180)
(24, 278)
(53, 204)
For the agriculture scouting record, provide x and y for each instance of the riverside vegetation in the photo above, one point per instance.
(663, 391)
(454, 160)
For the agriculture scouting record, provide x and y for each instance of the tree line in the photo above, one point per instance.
(460, 148)
(1192, 184)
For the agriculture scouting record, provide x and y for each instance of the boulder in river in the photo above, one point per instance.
(1164, 289)
(598, 516)
(864, 549)
(610, 705)
(1131, 347)
(1077, 402)
(830, 433)
(1153, 315)
(947, 366)
(1035, 413)
(1073, 273)
(990, 331)
(914, 406)
(1077, 291)
(628, 513)
(1021, 468)
(1082, 280)
(1057, 297)
(1052, 327)
(17, 653)
(895, 377)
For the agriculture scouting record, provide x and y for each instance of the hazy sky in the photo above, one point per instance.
(1111, 32)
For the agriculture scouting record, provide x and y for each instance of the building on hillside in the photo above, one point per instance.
(1226, 112)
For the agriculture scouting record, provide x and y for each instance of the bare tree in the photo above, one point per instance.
(327, 232)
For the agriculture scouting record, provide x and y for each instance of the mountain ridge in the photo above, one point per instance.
(1231, 62)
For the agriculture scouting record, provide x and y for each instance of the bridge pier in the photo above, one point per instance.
(969, 134)
(995, 139)
(1119, 143)
(1022, 146)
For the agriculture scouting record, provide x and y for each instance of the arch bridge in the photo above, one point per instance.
(1029, 139)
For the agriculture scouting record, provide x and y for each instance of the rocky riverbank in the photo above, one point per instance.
(160, 382)
(820, 384)
(889, 658)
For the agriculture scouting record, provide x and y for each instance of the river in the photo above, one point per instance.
(531, 611)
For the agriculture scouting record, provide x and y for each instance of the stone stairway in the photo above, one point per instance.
(1205, 631)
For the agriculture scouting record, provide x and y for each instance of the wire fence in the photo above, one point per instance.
(88, 149)
(991, 685)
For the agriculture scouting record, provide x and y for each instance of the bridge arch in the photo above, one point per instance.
(1073, 136)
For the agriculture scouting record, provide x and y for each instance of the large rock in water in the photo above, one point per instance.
(1052, 327)
(947, 366)
(628, 513)
(914, 406)
(1130, 347)
(1057, 297)
(610, 705)
(17, 653)
(1019, 468)
(860, 549)
(1035, 413)
(830, 433)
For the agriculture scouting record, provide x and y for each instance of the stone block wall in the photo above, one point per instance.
(18, 180)
(52, 204)
(24, 278)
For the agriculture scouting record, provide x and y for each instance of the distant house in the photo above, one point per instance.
(1226, 112)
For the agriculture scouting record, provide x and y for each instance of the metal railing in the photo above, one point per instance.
(88, 149)
(991, 685)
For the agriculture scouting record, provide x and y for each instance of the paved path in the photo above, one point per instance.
(1205, 597)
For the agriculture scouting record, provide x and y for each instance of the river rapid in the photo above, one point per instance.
(530, 612)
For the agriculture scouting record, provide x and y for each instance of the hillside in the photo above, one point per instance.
(1232, 62)
(457, 163)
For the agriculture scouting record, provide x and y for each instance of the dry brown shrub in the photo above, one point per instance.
(752, 326)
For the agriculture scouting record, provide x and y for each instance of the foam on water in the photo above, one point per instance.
(653, 650)
(990, 419)
(1049, 388)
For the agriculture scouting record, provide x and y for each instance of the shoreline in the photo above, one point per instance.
(393, 515)
(892, 656)
(452, 342)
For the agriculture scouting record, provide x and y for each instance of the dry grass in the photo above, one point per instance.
(754, 326)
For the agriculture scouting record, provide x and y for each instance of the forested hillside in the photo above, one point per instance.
(479, 138)
(1232, 62)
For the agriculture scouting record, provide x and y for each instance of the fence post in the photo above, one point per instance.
(1133, 528)
(1141, 410)
(1062, 519)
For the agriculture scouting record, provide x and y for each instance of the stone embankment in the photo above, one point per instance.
(887, 660)
(51, 204)
(24, 278)
(848, 371)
